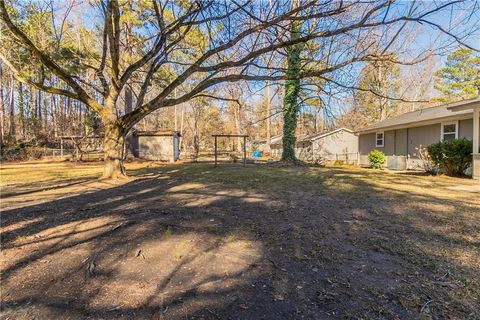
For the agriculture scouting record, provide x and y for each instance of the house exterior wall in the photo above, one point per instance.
(366, 143)
(465, 129)
(342, 145)
(401, 144)
(303, 150)
(422, 136)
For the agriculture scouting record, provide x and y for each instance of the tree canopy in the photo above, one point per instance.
(156, 54)
(460, 78)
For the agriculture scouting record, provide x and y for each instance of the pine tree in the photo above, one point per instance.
(460, 78)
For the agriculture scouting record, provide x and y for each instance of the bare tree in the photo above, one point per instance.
(203, 44)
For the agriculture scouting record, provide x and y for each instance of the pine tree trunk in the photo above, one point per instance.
(236, 114)
(21, 109)
(2, 110)
(113, 148)
(290, 102)
(11, 129)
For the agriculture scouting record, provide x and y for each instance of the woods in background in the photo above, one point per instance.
(107, 67)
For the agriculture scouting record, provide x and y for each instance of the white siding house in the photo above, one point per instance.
(340, 144)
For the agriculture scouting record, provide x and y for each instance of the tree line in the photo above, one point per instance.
(110, 65)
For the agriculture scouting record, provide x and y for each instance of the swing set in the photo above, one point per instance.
(244, 136)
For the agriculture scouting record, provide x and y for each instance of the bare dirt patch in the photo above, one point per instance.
(261, 242)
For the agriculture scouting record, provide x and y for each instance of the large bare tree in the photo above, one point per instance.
(173, 45)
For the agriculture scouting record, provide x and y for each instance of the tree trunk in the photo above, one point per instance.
(236, 115)
(21, 109)
(182, 149)
(128, 99)
(269, 114)
(11, 97)
(113, 148)
(290, 102)
(2, 109)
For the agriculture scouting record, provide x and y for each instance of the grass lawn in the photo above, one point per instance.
(190, 241)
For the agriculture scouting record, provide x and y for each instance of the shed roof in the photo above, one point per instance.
(310, 137)
(316, 136)
(158, 133)
(423, 115)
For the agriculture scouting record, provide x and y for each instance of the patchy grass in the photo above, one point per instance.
(34, 172)
(193, 241)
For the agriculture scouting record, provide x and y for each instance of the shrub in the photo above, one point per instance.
(426, 163)
(21, 152)
(453, 157)
(377, 159)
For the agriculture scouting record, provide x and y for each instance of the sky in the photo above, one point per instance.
(462, 19)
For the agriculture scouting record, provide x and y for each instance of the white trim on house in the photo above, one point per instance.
(442, 130)
(383, 139)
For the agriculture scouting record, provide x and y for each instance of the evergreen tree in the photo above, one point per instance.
(460, 78)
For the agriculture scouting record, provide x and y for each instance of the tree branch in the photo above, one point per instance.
(46, 61)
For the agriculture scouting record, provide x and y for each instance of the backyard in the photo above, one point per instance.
(190, 241)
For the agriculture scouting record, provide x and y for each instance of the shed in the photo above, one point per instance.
(339, 144)
(155, 145)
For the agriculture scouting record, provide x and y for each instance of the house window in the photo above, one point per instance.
(449, 131)
(379, 139)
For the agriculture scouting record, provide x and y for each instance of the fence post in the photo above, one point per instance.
(61, 148)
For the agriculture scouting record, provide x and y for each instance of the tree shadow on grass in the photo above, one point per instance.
(198, 242)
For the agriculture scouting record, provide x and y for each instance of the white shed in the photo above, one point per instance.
(155, 145)
(340, 144)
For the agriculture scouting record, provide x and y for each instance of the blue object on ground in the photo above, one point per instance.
(256, 154)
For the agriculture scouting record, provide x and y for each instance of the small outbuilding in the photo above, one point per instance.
(340, 144)
(157, 145)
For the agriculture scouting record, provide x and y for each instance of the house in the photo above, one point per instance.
(399, 137)
(155, 145)
(340, 144)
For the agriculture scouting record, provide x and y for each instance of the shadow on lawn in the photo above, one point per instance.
(241, 243)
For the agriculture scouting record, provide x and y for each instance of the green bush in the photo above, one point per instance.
(452, 156)
(377, 159)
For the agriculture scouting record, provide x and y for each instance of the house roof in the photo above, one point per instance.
(309, 137)
(417, 117)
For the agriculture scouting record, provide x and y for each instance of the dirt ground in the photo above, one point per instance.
(190, 241)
